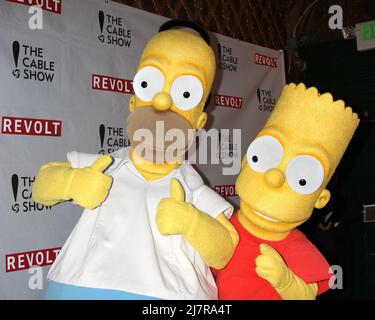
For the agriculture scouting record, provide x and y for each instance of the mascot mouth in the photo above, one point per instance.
(159, 136)
(266, 217)
(251, 211)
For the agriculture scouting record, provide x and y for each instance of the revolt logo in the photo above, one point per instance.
(108, 83)
(111, 139)
(113, 31)
(226, 190)
(266, 100)
(53, 6)
(228, 101)
(265, 60)
(26, 260)
(23, 203)
(227, 61)
(30, 64)
(32, 127)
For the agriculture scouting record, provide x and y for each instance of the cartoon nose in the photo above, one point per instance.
(275, 178)
(162, 101)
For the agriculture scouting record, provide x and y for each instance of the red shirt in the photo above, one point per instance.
(239, 281)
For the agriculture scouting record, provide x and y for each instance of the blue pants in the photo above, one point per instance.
(60, 291)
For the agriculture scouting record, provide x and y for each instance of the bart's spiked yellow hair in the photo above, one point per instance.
(316, 118)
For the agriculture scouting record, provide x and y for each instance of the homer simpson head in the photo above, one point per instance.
(171, 85)
(288, 166)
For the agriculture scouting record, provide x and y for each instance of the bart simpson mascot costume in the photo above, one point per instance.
(150, 229)
(283, 177)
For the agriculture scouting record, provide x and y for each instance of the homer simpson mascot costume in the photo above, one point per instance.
(150, 230)
(283, 177)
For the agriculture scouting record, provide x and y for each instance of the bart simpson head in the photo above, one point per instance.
(172, 83)
(288, 166)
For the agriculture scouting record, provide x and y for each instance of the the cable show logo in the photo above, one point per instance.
(226, 149)
(113, 30)
(266, 100)
(30, 63)
(111, 139)
(227, 61)
(21, 189)
(53, 6)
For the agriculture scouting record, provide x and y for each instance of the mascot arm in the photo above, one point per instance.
(271, 267)
(297, 289)
(215, 239)
(57, 182)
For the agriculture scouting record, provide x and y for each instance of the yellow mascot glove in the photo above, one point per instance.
(271, 267)
(88, 187)
(174, 215)
(215, 239)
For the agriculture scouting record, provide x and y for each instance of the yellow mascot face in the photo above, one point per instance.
(288, 165)
(172, 83)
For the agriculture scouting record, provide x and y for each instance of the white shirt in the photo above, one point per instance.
(118, 246)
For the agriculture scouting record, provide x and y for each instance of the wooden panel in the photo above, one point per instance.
(260, 22)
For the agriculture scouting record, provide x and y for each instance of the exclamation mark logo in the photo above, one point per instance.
(15, 184)
(230, 146)
(219, 54)
(101, 25)
(219, 147)
(16, 54)
(258, 95)
(101, 137)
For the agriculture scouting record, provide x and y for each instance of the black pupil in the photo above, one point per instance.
(186, 94)
(144, 84)
(254, 158)
(302, 182)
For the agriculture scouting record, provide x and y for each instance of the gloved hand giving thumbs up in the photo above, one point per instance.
(88, 187)
(271, 266)
(174, 215)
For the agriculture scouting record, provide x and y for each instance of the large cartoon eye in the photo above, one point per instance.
(264, 153)
(305, 174)
(186, 92)
(147, 82)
